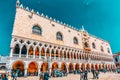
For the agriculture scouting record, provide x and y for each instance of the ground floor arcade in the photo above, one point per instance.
(30, 68)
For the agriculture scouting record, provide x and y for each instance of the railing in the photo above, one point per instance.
(23, 55)
(62, 59)
(37, 57)
(15, 55)
(30, 56)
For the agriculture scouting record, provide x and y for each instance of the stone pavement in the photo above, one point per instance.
(102, 76)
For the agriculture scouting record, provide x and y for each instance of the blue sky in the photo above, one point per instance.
(100, 18)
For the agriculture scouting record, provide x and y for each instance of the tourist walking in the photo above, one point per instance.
(41, 76)
(85, 74)
(46, 76)
(93, 72)
(14, 76)
(4, 77)
(81, 75)
(96, 74)
(9, 77)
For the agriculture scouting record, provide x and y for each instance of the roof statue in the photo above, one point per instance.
(83, 28)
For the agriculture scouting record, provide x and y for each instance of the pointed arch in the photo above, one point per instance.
(82, 66)
(44, 67)
(64, 67)
(57, 54)
(71, 55)
(71, 67)
(43, 52)
(17, 49)
(92, 66)
(32, 69)
(30, 51)
(37, 51)
(68, 55)
(64, 54)
(88, 66)
(54, 66)
(18, 66)
(74, 55)
(52, 53)
(48, 52)
(24, 50)
(77, 67)
(61, 55)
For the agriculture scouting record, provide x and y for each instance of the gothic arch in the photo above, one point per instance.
(32, 68)
(64, 67)
(71, 67)
(44, 67)
(16, 49)
(55, 66)
(30, 52)
(37, 51)
(24, 50)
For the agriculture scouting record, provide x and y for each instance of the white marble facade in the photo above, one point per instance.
(38, 39)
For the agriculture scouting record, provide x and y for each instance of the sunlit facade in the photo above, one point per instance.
(40, 43)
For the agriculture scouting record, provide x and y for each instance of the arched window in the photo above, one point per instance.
(75, 40)
(102, 49)
(108, 50)
(93, 45)
(36, 30)
(17, 49)
(24, 50)
(86, 45)
(59, 36)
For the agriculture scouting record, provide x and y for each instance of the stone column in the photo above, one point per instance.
(11, 52)
(20, 53)
(55, 54)
(33, 53)
(40, 55)
(59, 54)
(25, 72)
(73, 56)
(39, 68)
(27, 53)
(50, 54)
(66, 55)
(70, 56)
(45, 54)
(62, 55)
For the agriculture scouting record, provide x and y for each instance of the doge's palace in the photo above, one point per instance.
(40, 43)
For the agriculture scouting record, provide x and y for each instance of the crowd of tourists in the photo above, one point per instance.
(84, 74)
(56, 73)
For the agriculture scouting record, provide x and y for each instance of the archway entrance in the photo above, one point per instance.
(82, 66)
(44, 67)
(63, 67)
(33, 69)
(18, 67)
(54, 66)
(77, 67)
(96, 67)
(88, 66)
(71, 68)
(92, 66)
(100, 67)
